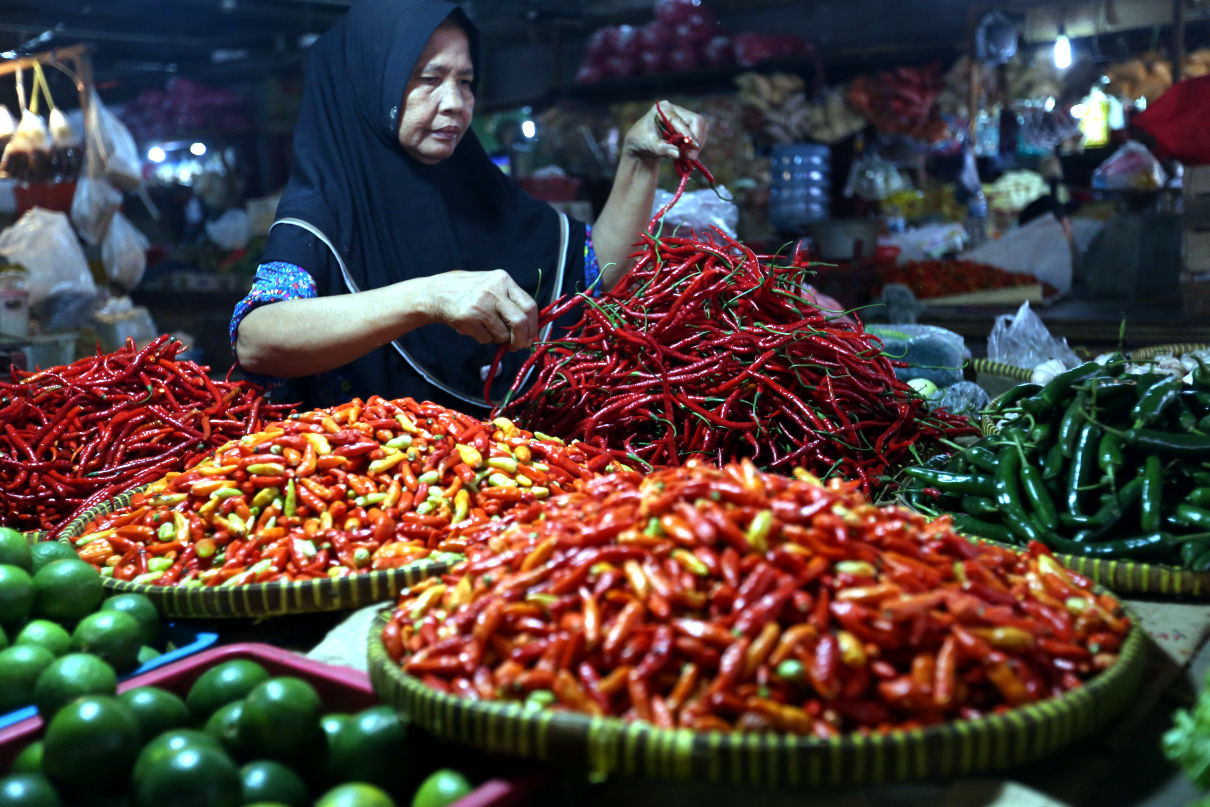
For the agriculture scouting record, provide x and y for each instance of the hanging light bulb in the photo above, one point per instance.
(1062, 49)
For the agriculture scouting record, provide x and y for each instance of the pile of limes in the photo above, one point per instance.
(59, 636)
(239, 737)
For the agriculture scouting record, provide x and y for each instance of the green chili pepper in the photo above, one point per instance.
(1191, 549)
(1081, 465)
(1069, 427)
(1153, 493)
(1008, 496)
(1036, 493)
(1192, 515)
(1132, 547)
(947, 482)
(969, 525)
(1053, 465)
(980, 506)
(1201, 563)
(1168, 444)
(1018, 393)
(1059, 387)
(1199, 497)
(1154, 400)
(1109, 455)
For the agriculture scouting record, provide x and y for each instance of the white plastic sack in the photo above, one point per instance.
(107, 140)
(1023, 340)
(929, 241)
(45, 244)
(93, 206)
(698, 211)
(1038, 248)
(124, 252)
(230, 230)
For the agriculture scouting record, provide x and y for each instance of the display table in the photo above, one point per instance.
(1091, 324)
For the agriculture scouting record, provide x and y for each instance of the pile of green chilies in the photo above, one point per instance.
(706, 349)
(1096, 463)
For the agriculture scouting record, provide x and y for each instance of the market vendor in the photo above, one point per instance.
(401, 257)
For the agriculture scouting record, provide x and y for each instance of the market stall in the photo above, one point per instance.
(882, 475)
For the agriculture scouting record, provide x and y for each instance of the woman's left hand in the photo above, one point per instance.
(645, 140)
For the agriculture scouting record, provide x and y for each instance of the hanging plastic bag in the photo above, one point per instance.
(1131, 168)
(231, 230)
(124, 253)
(7, 127)
(27, 155)
(93, 207)
(110, 141)
(45, 244)
(1022, 340)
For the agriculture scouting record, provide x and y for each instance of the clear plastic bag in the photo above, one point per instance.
(45, 244)
(109, 141)
(27, 155)
(124, 253)
(230, 230)
(1131, 168)
(698, 211)
(93, 206)
(1023, 340)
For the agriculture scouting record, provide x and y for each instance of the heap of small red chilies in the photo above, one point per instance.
(730, 599)
(72, 436)
(706, 349)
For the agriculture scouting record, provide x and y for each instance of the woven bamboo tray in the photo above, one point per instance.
(264, 599)
(607, 745)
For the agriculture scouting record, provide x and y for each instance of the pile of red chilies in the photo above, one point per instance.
(706, 349)
(728, 599)
(73, 436)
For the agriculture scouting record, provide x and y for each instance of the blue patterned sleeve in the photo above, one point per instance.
(592, 267)
(274, 282)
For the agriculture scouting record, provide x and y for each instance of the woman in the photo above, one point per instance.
(401, 257)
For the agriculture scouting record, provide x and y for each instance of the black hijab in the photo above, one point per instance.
(392, 218)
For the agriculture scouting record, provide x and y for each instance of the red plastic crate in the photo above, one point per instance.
(342, 689)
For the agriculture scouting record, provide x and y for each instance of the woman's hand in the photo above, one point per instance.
(486, 306)
(645, 140)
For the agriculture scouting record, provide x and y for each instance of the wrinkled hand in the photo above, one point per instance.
(489, 307)
(645, 140)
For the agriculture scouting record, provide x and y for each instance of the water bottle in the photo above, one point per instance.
(976, 220)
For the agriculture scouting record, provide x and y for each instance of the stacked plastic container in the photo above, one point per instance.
(800, 185)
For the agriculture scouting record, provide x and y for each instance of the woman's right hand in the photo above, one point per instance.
(489, 307)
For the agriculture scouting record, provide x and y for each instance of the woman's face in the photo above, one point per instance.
(438, 101)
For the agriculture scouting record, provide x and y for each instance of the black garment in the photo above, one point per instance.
(391, 218)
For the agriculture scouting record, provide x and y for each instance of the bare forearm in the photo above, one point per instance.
(295, 338)
(626, 215)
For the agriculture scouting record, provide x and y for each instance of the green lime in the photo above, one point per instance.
(67, 590)
(157, 710)
(281, 717)
(371, 748)
(113, 635)
(223, 726)
(20, 666)
(14, 549)
(441, 787)
(30, 759)
(16, 595)
(194, 776)
(44, 633)
(47, 552)
(268, 780)
(27, 790)
(355, 794)
(91, 744)
(169, 742)
(71, 676)
(143, 611)
(146, 654)
(229, 681)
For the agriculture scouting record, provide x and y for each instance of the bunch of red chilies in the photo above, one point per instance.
(706, 349)
(729, 599)
(74, 435)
